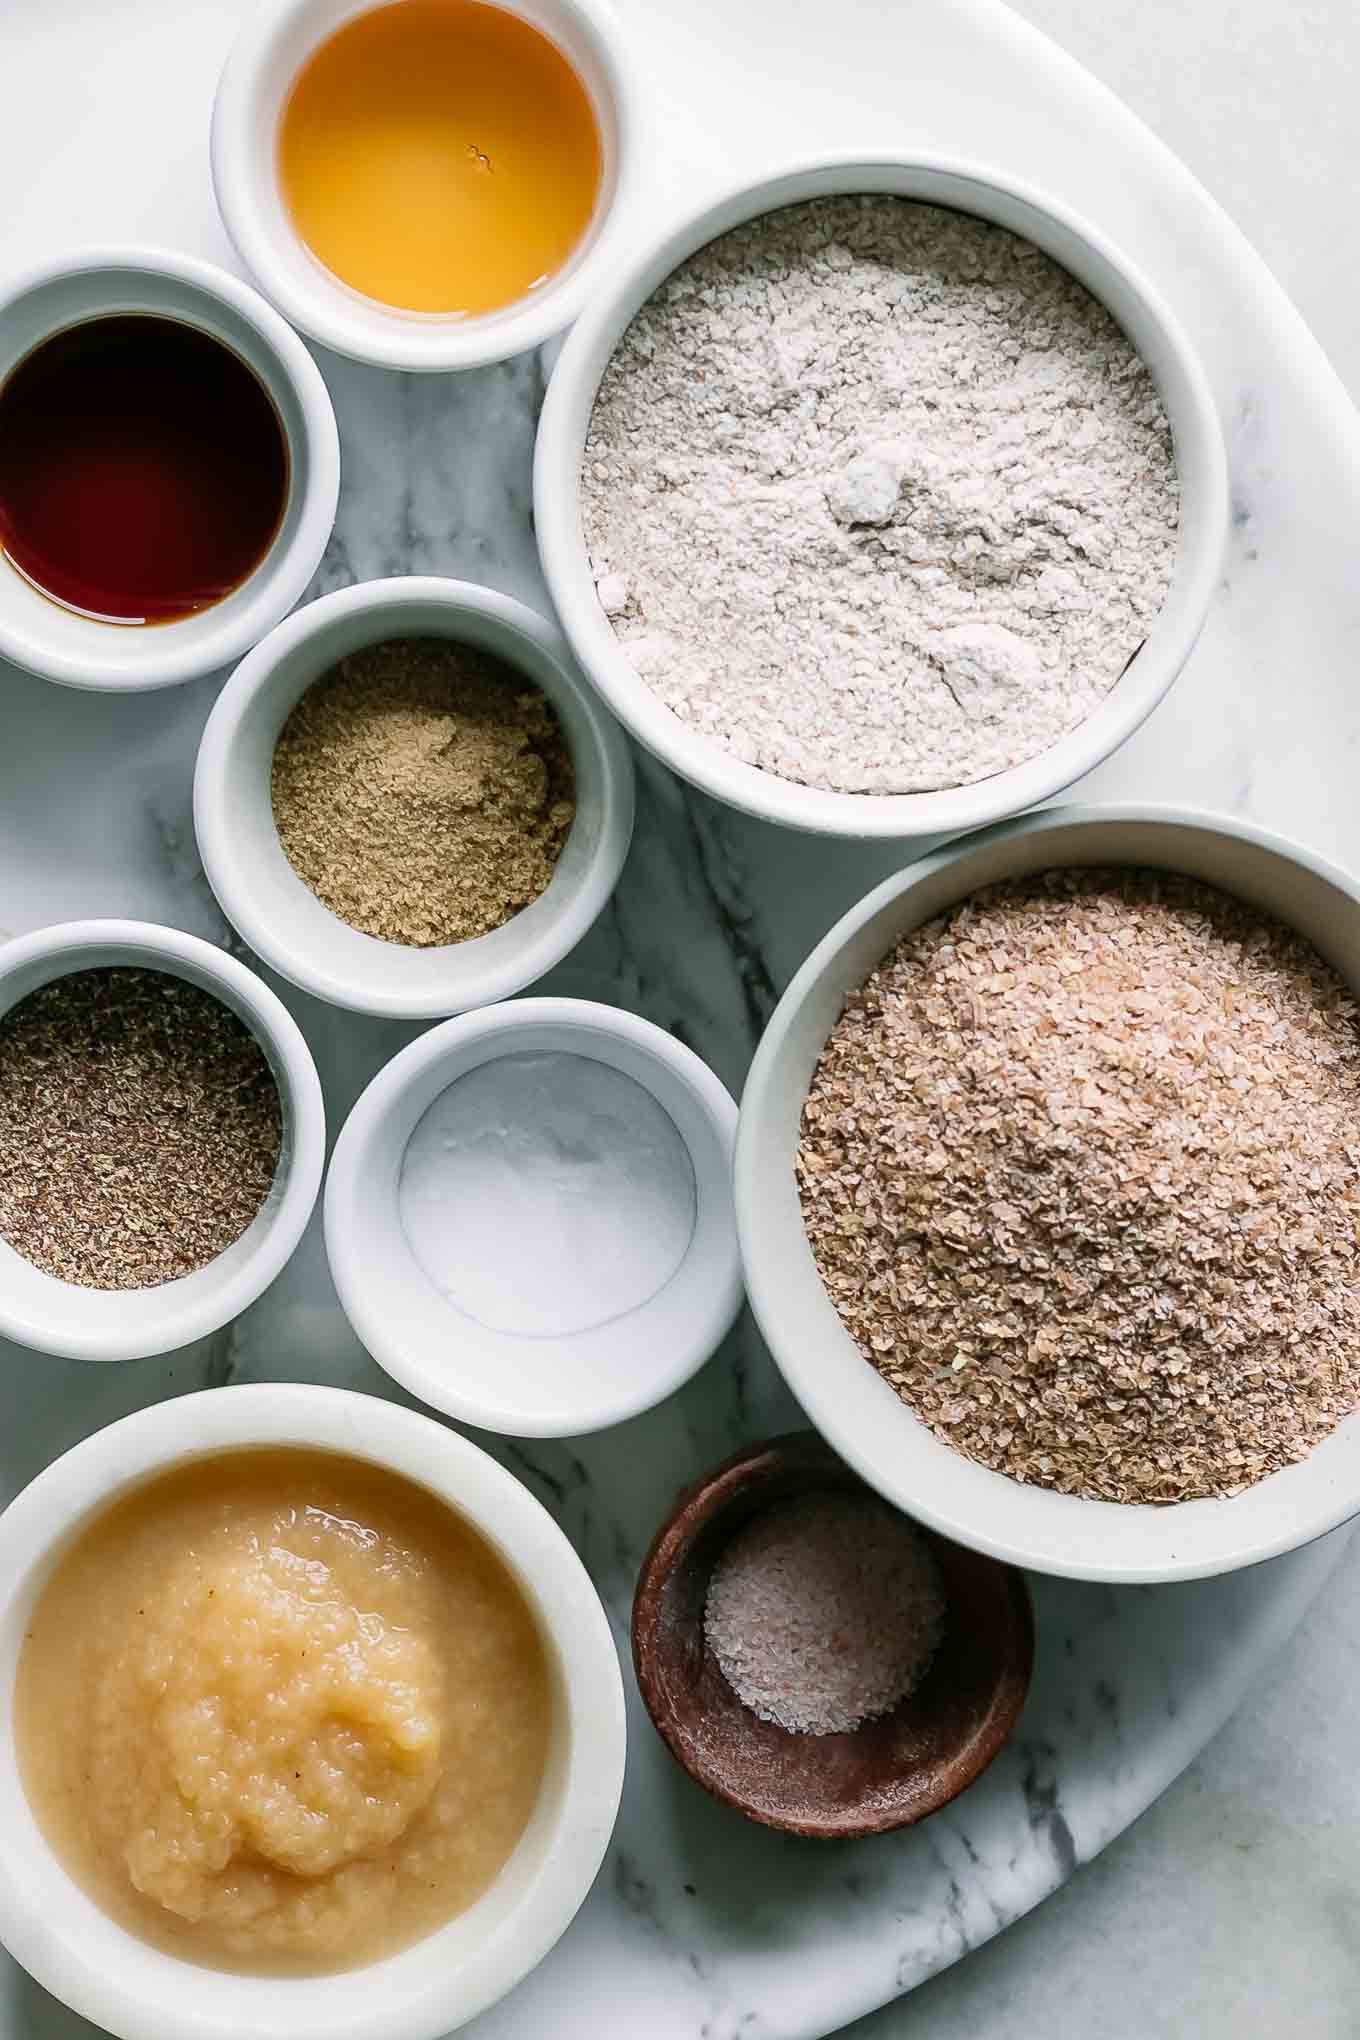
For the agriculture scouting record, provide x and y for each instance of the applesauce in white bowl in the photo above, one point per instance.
(278, 1718)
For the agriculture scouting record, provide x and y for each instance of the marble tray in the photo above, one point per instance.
(701, 1928)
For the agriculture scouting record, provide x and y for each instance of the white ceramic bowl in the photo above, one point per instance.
(124, 1324)
(539, 1387)
(82, 652)
(264, 61)
(848, 1401)
(1199, 454)
(284, 921)
(108, 1975)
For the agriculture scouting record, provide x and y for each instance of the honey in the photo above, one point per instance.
(440, 156)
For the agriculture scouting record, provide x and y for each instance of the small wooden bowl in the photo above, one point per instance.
(892, 1771)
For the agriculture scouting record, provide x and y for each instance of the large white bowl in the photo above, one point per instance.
(81, 651)
(271, 49)
(124, 1324)
(141, 1993)
(848, 1401)
(1200, 458)
(281, 917)
(539, 1386)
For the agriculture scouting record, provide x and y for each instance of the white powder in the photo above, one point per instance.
(547, 1194)
(878, 496)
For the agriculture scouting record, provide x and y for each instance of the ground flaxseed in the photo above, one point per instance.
(140, 1128)
(1080, 1168)
(424, 790)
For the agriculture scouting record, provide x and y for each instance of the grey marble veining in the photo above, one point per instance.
(702, 1928)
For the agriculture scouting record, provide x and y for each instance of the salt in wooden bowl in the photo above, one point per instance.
(890, 1771)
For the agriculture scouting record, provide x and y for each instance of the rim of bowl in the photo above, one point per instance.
(217, 827)
(283, 575)
(241, 161)
(949, 181)
(1173, 1544)
(90, 945)
(345, 1221)
(188, 2002)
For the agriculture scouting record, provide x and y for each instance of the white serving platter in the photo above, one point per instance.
(700, 1927)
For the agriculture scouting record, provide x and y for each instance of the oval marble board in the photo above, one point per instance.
(700, 1927)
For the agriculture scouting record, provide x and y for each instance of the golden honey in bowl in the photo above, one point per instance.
(282, 1712)
(440, 156)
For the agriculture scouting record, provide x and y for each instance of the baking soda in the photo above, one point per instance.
(546, 1194)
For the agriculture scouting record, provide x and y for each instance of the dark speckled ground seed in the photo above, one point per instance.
(140, 1128)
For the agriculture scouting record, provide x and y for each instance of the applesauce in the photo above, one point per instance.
(282, 1711)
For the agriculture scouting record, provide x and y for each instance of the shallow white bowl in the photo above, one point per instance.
(531, 1387)
(281, 917)
(123, 1324)
(848, 1401)
(141, 1993)
(267, 56)
(82, 652)
(1200, 457)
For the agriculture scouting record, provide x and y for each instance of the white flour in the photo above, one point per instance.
(878, 496)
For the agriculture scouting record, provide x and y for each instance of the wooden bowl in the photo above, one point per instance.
(890, 1772)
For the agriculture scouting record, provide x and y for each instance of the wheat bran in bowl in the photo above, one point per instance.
(1080, 1171)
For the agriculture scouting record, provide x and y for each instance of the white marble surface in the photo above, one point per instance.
(703, 1929)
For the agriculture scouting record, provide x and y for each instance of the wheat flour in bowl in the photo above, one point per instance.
(1080, 1170)
(878, 496)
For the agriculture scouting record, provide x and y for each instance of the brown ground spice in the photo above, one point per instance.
(1080, 1168)
(423, 790)
(140, 1128)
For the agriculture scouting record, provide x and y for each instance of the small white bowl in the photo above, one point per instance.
(1200, 458)
(141, 1993)
(281, 917)
(850, 1403)
(265, 59)
(80, 651)
(53, 1316)
(539, 1387)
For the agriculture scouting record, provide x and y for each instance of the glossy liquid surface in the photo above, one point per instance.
(143, 469)
(282, 1712)
(440, 156)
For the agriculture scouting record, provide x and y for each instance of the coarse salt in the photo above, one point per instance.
(825, 1611)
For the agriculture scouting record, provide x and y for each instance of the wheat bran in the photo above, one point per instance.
(1080, 1168)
